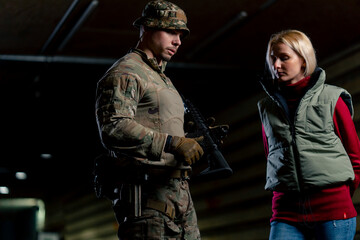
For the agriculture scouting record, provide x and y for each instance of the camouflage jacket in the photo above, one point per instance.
(137, 107)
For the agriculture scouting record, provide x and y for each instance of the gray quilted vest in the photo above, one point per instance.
(305, 153)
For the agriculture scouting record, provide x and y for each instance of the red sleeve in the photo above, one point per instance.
(345, 129)
(266, 147)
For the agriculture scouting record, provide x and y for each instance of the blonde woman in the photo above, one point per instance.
(311, 145)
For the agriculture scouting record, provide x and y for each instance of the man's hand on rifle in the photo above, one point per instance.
(186, 148)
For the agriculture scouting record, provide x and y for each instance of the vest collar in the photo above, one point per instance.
(271, 88)
(317, 79)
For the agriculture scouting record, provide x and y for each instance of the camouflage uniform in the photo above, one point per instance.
(137, 107)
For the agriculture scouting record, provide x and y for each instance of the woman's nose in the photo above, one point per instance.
(277, 64)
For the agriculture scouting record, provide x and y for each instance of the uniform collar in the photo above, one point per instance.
(152, 62)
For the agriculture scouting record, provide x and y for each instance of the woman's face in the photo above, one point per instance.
(287, 64)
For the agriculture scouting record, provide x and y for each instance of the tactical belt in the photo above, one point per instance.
(162, 207)
(183, 174)
(163, 174)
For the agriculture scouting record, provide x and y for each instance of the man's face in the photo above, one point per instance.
(163, 44)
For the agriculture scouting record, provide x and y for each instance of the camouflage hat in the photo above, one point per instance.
(163, 15)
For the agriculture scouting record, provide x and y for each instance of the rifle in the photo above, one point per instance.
(217, 164)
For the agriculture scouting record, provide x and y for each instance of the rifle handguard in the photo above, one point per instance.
(213, 135)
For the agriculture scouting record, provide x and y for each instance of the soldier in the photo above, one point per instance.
(140, 117)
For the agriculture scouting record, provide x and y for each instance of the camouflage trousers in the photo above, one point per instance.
(154, 224)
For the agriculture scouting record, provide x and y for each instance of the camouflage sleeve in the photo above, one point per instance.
(116, 104)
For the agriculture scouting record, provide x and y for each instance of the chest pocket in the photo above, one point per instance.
(318, 118)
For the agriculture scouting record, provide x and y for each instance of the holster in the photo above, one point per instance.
(131, 201)
(123, 184)
(110, 173)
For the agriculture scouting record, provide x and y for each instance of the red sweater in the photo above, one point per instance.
(326, 204)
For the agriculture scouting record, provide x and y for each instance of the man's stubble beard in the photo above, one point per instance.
(165, 57)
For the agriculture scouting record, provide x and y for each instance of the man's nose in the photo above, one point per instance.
(177, 40)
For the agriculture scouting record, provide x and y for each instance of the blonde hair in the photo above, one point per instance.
(299, 43)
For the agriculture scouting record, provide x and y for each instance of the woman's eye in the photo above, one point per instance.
(284, 58)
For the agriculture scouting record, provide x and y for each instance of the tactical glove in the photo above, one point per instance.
(188, 149)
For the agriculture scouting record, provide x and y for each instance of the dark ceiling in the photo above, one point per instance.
(53, 52)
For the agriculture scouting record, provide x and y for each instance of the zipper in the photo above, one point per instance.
(164, 78)
(153, 65)
(293, 142)
(297, 159)
(292, 130)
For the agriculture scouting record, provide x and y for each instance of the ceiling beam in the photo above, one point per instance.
(91, 7)
(221, 33)
(102, 61)
(58, 26)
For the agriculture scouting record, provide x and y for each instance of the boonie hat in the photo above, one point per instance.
(163, 15)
